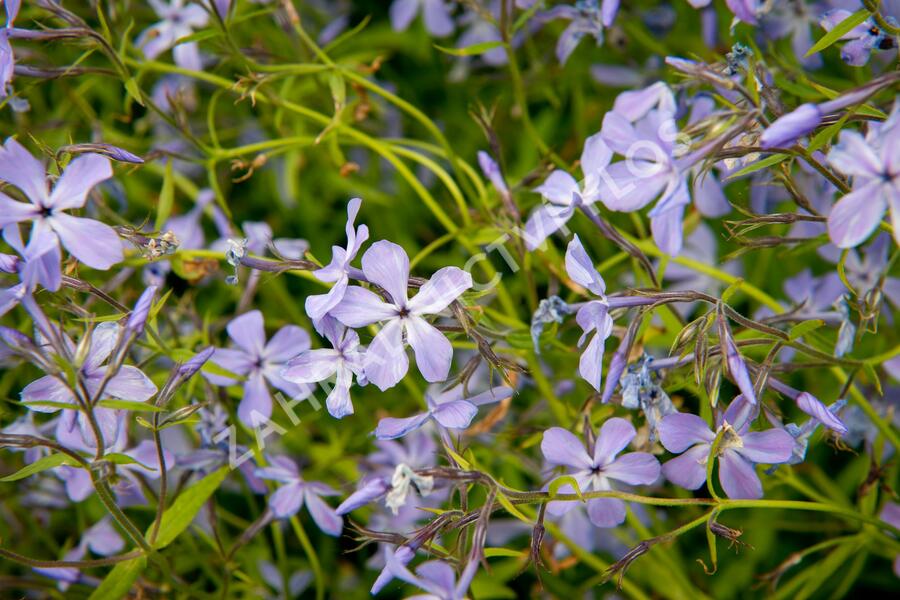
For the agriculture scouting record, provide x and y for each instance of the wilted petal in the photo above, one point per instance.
(78, 179)
(94, 243)
(385, 361)
(606, 512)
(561, 447)
(738, 477)
(434, 353)
(679, 431)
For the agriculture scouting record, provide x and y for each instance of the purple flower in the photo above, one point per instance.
(595, 470)
(38, 263)
(447, 409)
(95, 244)
(435, 13)
(138, 317)
(176, 21)
(337, 270)
(564, 195)
(587, 18)
(802, 433)
(387, 265)
(102, 539)
(745, 10)
(735, 364)
(343, 361)
(864, 38)
(738, 451)
(593, 317)
(289, 498)
(786, 129)
(873, 163)
(259, 362)
(129, 383)
(435, 577)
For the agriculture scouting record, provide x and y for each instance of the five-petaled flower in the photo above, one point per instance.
(595, 468)
(290, 497)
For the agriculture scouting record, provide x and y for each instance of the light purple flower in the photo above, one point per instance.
(873, 163)
(343, 361)
(745, 10)
(7, 59)
(596, 470)
(435, 13)
(177, 21)
(564, 195)
(38, 263)
(337, 271)
(586, 17)
(387, 265)
(435, 577)
(259, 362)
(93, 243)
(290, 497)
(739, 450)
(890, 514)
(448, 409)
(735, 364)
(102, 539)
(593, 317)
(129, 383)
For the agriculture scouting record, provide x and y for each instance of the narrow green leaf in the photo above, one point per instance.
(473, 50)
(52, 404)
(177, 518)
(511, 508)
(759, 165)
(166, 198)
(492, 552)
(134, 90)
(560, 481)
(41, 464)
(120, 580)
(129, 405)
(839, 30)
(801, 329)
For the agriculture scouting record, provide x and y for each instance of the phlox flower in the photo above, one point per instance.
(177, 20)
(294, 492)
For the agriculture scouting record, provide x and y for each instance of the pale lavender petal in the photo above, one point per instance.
(288, 342)
(437, 18)
(595, 155)
(495, 394)
(319, 305)
(402, 12)
(613, 437)
(248, 332)
(281, 468)
(433, 351)
(544, 221)
(287, 500)
(385, 361)
(770, 447)
(78, 482)
(679, 431)
(738, 477)
(391, 428)
(581, 268)
(630, 185)
(457, 414)
(256, 406)
(608, 11)
(561, 447)
(709, 197)
(445, 286)
(338, 401)
(666, 228)
(689, 469)
(312, 366)
(94, 243)
(386, 264)
(360, 307)
(635, 104)
(856, 215)
(634, 468)
(606, 512)
(492, 171)
(854, 156)
(78, 179)
(15, 212)
(19, 168)
(187, 56)
(559, 188)
(103, 341)
(368, 492)
(814, 408)
(130, 383)
(590, 363)
(833, 18)
(787, 129)
(324, 516)
(737, 368)
(232, 360)
(103, 539)
(47, 388)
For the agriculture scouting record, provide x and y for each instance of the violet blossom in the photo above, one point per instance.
(435, 14)
(294, 492)
(7, 59)
(435, 577)
(864, 39)
(595, 468)
(259, 362)
(102, 539)
(387, 265)
(587, 17)
(177, 20)
(738, 450)
(95, 244)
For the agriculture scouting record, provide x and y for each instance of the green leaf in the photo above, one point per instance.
(134, 90)
(511, 508)
(459, 459)
(801, 329)
(473, 50)
(123, 459)
(758, 165)
(839, 30)
(177, 518)
(129, 405)
(41, 464)
(873, 376)
(120, 580)
(166, 198)
(492, 552)
(52, 404)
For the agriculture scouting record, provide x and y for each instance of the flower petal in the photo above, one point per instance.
(689, 469)
(130, 383)
(634, 468)
(15, 212)
(769, 447)
(391, 428)
(19, 168)
(457, 414)
(248, 332)
(581, 268)
(856, 215)
(613, 437)
(561, 447)
(256, 406)
(287, 500)
(738, 477)
(559, 188)
(324, 516)
(94, 243)
(386, 264)
(544, 221)
(288, 342)
(445, 286)
(78, 179)
(385, 360)
(434, 353)
(679, 431)
(606, 512)
(312, 366)
(360, 307)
